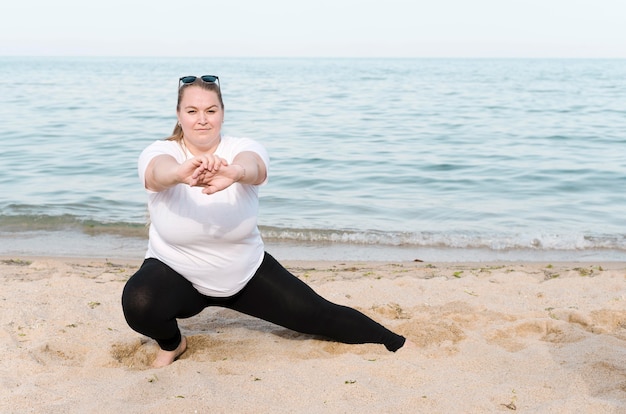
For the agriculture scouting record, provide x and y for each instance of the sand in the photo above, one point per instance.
(491, 337)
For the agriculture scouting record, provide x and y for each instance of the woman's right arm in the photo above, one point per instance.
(161, 173)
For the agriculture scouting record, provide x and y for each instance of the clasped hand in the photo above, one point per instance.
(209, 171)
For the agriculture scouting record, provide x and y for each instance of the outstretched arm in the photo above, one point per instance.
(252, 166)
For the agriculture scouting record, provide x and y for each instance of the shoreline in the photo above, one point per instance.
(71, 243)
(26, 259)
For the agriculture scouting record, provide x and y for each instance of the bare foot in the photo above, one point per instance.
(409, 346)
(164, 358)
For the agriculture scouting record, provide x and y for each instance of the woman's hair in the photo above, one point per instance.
(177, 134)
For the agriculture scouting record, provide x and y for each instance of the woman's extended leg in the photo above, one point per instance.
(279, 297)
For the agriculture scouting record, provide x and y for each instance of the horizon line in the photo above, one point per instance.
(310, 57)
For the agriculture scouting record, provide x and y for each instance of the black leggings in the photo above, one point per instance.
(156, 296)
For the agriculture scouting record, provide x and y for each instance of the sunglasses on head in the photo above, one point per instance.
(191, 79)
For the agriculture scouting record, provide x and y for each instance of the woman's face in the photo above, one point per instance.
(201, 117)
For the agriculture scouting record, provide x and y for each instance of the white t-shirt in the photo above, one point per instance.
(211, 240)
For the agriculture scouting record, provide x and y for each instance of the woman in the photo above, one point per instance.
(204, 246)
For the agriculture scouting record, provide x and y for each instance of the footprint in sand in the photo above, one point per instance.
(138, 354)
(51, 354)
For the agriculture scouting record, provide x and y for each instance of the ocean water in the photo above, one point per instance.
(430, 159)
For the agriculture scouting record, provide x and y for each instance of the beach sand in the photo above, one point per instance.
(491, 337)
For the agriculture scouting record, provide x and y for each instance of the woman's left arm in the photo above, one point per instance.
(251, 168)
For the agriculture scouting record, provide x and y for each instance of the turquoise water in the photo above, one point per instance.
(374, 155)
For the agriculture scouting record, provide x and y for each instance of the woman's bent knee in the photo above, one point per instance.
(137, 304)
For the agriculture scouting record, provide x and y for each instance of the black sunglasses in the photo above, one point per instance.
(191, 79)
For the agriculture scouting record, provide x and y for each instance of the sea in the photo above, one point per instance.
(371, 159)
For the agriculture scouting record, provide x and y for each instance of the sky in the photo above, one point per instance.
(321, 28)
